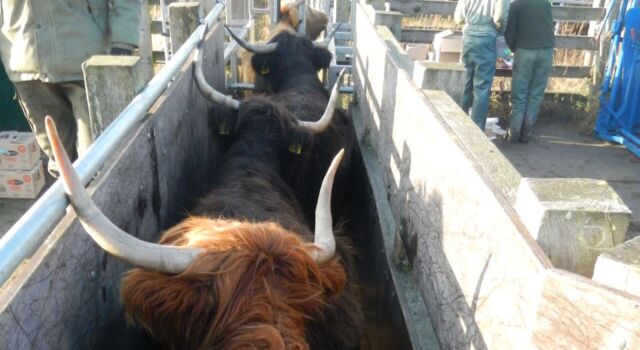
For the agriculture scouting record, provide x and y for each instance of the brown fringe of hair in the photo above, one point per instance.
(254, 287)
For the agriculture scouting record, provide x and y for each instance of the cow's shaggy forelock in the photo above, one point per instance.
(256, 286)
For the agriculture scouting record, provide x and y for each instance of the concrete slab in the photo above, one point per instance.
(573, 220)
(447, 76)
(559, 151)
(620, 267)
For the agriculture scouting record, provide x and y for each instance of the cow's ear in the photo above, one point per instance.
(298, 141)
(321, 58)
(222, 120)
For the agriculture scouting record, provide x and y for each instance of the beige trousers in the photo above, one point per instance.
(66, 103)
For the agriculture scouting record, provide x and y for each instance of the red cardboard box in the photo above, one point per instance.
(18, 150)
(22, 183)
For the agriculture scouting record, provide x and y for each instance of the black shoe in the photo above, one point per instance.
(54, 173)
(52, 168)
(527, 131)
(509, 137)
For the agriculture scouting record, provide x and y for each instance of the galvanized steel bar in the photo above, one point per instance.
(24, 238)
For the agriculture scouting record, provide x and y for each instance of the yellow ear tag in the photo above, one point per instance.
(264, 70)
(223, 129)
(295, 148)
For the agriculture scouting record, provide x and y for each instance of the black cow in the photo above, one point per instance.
(287, 69)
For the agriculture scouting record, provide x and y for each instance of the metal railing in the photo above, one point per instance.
(31, 230)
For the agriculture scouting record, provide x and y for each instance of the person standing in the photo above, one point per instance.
(529, 35)
(43, 45)
(483, 21)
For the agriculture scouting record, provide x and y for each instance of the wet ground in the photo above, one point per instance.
(558, 150)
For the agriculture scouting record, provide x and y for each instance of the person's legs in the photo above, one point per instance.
(76, 94)
(539, 79)
(485, 58)
(469, 65)
(522, 70)
(40, 99)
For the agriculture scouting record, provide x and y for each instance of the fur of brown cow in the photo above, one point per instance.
(316, 21)
(256, 285)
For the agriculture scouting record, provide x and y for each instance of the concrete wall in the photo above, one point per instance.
(485, 281)
(67, 295)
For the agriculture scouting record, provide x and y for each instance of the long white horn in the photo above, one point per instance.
(255, 48)
(206, 89)
(325, 42)
(163, 258)
(323, 123)
(324, 239)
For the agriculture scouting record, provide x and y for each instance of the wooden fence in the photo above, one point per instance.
(485, 281)
(560, 13)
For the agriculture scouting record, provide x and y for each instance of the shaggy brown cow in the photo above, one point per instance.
(315, 21)
(246, 272)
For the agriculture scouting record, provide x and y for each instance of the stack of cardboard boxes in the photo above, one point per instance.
(447, 46)
(21, 172)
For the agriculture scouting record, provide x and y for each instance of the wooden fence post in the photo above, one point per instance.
(573, 220)
(144, 49)
(111, 83)
(184, 18)
(342, 11)
(208, 5)
(391, 19)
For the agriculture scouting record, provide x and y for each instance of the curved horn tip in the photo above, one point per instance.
(254, 48)
(52, 134)
(49, 124)
(324, 43)
(324, 239)
(59, 153)
(208, 91)
(335, 163)
(339, 76)
(108, 236)
(339, 156)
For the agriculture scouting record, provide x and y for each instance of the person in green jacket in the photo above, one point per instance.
(43, 45)
(529, 35)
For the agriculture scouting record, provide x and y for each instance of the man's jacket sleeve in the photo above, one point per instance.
(124, 23)
(510, 32)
